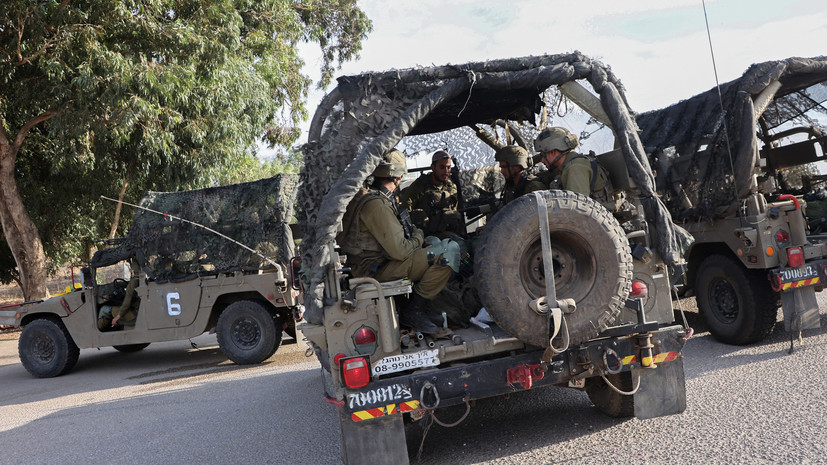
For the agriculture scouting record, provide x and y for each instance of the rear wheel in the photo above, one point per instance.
(738, 304)
(127, 348)
(609, 401)
(47, 349)
(247, 333)
(592, 265)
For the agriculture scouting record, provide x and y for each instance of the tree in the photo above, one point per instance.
(102, 96)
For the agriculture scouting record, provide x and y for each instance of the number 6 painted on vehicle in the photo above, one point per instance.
(173, 307)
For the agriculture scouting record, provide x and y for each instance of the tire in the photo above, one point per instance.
(128, 348)
(248, 333)
(609, 401)
(592, 265)
(291, 329)
(47, 349)
(738, 304)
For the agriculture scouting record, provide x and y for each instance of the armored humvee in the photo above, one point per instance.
(214, 259)
(579, 295)
(723, 162)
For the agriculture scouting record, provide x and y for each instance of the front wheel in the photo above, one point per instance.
(738, 304)
(247, 333)
(47, 349)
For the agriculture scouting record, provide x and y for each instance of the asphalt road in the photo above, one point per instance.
(172, 403)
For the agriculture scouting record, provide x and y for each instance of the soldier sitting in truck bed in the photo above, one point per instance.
(433, 199)
(380, 244)
(568, 169)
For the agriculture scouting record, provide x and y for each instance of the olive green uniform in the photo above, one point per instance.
(126, 311)
(376, 245)
(576, 175)
(433, 207)
(527, 184)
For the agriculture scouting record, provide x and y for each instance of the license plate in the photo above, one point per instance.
(396, 363)
(797, 274)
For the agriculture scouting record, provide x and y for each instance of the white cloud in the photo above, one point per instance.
(659, 50)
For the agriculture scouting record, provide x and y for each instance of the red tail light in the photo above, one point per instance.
(795, 256)
(356, 372)
(639, 289)
(782, 238)
(364, 339)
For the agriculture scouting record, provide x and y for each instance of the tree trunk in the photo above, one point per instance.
(119, 205)
(18, 228)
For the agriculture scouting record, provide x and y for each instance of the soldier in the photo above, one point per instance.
(577, 172)
(433, 199)
(380, 242)
(110, 316)
(513, 164)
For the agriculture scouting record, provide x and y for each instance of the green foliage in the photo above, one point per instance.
(160, 94)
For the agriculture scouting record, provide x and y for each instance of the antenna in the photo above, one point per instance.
(720, 101)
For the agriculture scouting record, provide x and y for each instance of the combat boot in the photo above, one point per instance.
(416, 316)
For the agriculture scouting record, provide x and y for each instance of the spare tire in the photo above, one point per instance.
(592, 265)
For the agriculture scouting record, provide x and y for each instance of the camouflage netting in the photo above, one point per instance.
(368, 114)
(709, 183)
(255, 214)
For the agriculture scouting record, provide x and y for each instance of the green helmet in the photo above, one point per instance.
(393, 165)
(513, 155)
(555, 138)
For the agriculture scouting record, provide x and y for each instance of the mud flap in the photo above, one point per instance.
(376, 441)
(800, 309)
(662, 390)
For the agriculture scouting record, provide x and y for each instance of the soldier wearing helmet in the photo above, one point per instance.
(380, 242)
(433, 199)
(576, 172)
(513, 162)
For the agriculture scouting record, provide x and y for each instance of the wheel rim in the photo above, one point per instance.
(43, 349)
(723, 300)
(575, 270)
(246, 332)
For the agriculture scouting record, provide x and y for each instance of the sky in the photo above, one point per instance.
(658, 49)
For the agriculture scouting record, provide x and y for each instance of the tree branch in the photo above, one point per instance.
(63, 4)
(18, 139)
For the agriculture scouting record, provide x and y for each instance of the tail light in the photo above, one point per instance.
(639, 289)
(356, 372)
(795, 257)
(364, 339)
(782, 238)
(337, 359)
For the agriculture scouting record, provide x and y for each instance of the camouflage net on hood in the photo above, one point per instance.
(255, 214)
(709, 183)
(368, 114)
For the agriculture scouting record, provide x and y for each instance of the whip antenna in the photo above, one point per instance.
(194, 224)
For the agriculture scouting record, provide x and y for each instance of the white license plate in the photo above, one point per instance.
(796, 274)
(396, 363)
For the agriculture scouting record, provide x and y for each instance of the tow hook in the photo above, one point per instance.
(647, 357)
(525, 375)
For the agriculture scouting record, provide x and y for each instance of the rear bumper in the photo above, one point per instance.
(812, 273)
(447, 386)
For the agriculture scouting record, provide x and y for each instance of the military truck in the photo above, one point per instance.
(580, 296)
(723, 162)
(192, 277)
